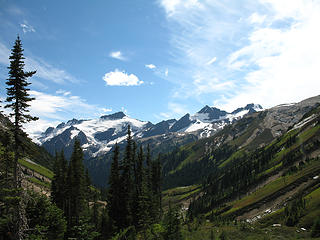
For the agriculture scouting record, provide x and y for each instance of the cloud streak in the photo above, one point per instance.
(150, 66)
(44, 69)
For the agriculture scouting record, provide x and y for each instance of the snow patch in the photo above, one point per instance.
(304, 121)
(74, 133)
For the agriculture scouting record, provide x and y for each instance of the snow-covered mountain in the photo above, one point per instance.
(98, 136)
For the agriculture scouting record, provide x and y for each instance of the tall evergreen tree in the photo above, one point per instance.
(76, 188)
(59, 181)
(18, 98)
(143, 203)
(127, 182)
(156, 189)
(172, 224)
(116, 211)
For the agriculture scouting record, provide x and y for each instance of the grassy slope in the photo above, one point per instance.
(37, 168)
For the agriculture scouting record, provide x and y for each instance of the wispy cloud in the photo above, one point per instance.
(263, 47)
(121, 78)
(150, 66)
(4, 54)
(26, 27)
(212, 61)
(284, 56)
(44, 69)
(118, 55)
(173, 7)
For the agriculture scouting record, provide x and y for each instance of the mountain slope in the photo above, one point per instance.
(247, 180)
(189, 164)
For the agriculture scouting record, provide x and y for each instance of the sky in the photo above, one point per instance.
(160, 59)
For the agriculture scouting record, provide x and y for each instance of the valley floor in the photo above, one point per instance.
(208, 231)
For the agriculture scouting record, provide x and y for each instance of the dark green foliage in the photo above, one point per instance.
(83, 230)
(223, 236)
(71, 192)
(134, 196)
(114, 194)
(46, 219)
(105, 227)
(212, 237)
(294, 211)
(172, 224)
(76, 186)
(59, 181)
(315, 232)
(126, 180)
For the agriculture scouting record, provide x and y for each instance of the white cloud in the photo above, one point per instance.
(285, 60)
(150, 66)
(166, 73)
(257, 18)
(173, 7)
(120, 78)
(27, 27)
(117, 55)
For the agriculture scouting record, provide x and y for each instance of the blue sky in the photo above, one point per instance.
(160, 59)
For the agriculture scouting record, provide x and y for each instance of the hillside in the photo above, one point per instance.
(254, 175)
(189, 164)
(31, 150)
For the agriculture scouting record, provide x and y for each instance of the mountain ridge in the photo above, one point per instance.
(98, 136)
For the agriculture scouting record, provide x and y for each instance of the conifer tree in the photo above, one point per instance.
(143, 203)
(114, 194)
(172, 224)
(156, 189)
(59, 181)
(76, 196)
(18, 99)
(127, 182)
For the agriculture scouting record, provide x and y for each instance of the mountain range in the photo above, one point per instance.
(98, 136)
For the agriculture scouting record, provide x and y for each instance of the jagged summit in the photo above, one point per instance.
(114, 116)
